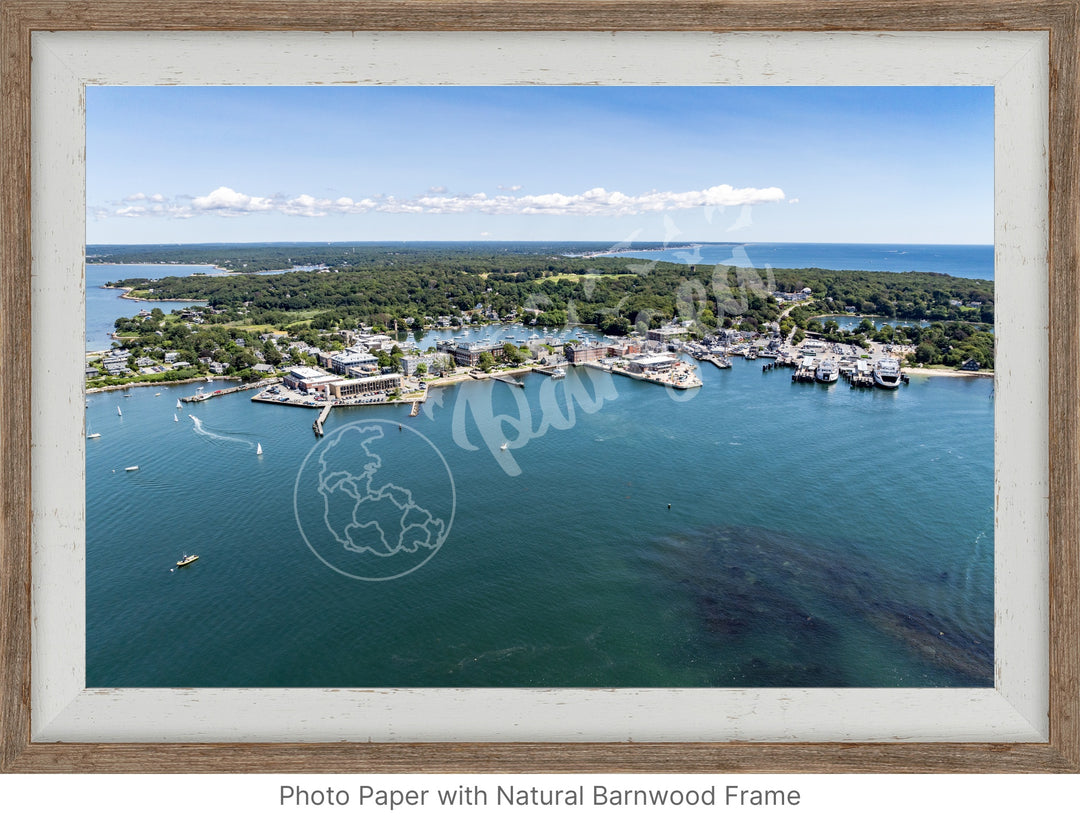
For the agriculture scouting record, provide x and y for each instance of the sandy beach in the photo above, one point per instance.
(947, 372)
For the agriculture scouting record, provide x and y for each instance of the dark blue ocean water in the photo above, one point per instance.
(752, 533)
(969, 261)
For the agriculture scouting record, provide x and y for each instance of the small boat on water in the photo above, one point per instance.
(258, 448)
(178, 405)
(132, 468)
(175, 419)
(93, 436)
(184, 561)
(158, 394)
(558, 373)
(119, 412)
(504, 446)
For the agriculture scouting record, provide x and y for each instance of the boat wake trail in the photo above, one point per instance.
(203, 431)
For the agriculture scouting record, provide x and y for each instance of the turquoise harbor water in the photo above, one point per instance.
(104, 307)
(816, 536)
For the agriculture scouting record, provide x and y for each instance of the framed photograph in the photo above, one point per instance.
(641, 387)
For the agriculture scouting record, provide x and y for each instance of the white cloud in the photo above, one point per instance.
(598, 201)
(229, 202)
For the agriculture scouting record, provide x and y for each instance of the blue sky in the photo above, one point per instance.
(780, 164)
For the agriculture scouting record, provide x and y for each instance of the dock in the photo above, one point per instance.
(861, 380)
(719, 362)
(681, 382)
(550, 371)
(415, 408)
(317, 426)
(230, 390)
(509, 380)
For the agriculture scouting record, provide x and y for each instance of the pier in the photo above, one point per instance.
(552, 370)
(680, 381)
(718, 361)
(509, 380)
(232, 390)
(317, 426)
(415, 408)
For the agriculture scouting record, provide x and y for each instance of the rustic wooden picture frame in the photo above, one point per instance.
(1059, 18)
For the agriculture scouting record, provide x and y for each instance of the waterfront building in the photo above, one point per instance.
(410, 363)
(469, 353)
(625, 348)
(341, 361)
(582, 352)
(303, 378)
(656, 362)
(351, 389)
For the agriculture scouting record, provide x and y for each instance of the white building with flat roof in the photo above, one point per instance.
(656, 362)
(306, 379)
(359, 387)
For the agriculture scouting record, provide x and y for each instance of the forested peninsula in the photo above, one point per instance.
(321, 288)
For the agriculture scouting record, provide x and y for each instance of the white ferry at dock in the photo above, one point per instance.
(887, 373)
(827, 371)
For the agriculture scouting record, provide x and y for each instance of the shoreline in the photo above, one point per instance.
(127, 295)
(208, 378)
(947, 372)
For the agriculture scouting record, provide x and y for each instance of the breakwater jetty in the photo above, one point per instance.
(317, 426)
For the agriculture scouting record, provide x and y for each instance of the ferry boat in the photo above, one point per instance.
(184, 561)
(827, 371)
(887, 373)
